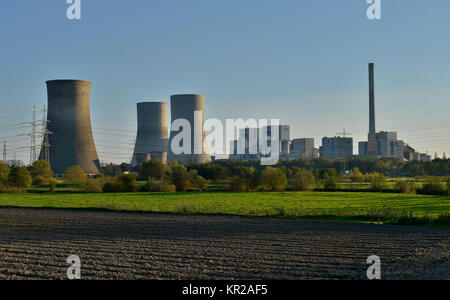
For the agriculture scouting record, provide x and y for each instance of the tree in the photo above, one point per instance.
(330, 182)
(128, 182)
(20, 178)
(406, 187)
(448, 184)
(237, 184)
(378, 181)
(180, 177)
(52, 185)
(41, 168)
(303, 180)
(356, 175)
(200, 183)
(93, 186)
(434, 187)
(152, 169)
(274, 179)
(4, 173)
(75, 175)
(111, 170)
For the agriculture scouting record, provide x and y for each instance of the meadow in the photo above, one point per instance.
(347, 206)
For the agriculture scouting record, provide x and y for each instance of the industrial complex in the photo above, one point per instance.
(68, 138)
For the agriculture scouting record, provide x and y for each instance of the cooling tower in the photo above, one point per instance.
(152, 132)
(71, 141)
(184, 107)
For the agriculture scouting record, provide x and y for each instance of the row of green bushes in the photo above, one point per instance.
(180, 178)
(175, 178)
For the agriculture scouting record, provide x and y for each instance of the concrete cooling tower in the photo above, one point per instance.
(71, 140)
(152, 132)
(184, 107)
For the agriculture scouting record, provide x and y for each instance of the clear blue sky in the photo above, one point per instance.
(302, 61)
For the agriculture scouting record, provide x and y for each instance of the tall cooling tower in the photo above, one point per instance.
(71, 140)
(184, 107)
(152, 132)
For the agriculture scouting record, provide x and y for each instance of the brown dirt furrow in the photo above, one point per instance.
(35, 243)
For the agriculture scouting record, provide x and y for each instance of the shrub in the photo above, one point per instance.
(75, 175)
(448, 184)
(180, 177)
(52, 185)
(93, 186)
(158, 187)
(274, 179)
(434, 187)
(303, 180)
(41, 168)
(200, 183)
(183, 186)
(128, 182)
(330, 181)
(237, 184)
(20, 178)
(443, 219)
(378, 182)
(40, 180)
(4, 173)
(5, 189)
(153, 168)
(406, 187)
(356, 175)
(113, 186)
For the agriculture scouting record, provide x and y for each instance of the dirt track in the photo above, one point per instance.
(34, 244)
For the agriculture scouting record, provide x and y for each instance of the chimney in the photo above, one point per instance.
(372, 127)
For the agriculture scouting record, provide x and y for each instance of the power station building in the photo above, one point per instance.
(152, 132)
(379, 144)
(185, 107)
(248, 146)
(303, 149)
(336, 147)
(69, 123)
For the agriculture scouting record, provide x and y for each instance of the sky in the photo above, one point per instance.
(301, 61)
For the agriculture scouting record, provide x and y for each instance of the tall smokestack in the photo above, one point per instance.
(71, 140)
(372, 124)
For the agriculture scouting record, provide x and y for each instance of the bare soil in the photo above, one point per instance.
(35, 243)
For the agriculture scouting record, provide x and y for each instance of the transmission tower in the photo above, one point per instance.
(45, 143)
(4, 151)
(34, 134)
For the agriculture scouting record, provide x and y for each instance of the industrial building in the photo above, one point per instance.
(70, 140)
(184, 107)
(336, 147)
(303, 149)
(248, 146)
(152, 132)
(379, 144)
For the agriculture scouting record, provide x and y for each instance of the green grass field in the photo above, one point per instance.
(331, 205)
